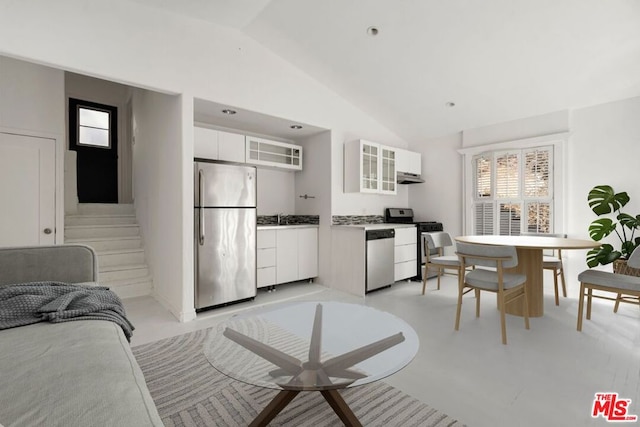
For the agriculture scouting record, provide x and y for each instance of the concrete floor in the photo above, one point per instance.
(545, 376)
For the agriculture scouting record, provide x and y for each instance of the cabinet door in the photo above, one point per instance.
(405, 236)
(286, 255)
(231, 147)
(369, 167)
(388, 171)
(307, 253)
(205, 143)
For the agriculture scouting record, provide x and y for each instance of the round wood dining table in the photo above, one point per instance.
(529, 250)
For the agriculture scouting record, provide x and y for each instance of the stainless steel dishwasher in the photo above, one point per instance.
(380, 263)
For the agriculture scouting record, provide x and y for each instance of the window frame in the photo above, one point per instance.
(558, 142)
(79, 125)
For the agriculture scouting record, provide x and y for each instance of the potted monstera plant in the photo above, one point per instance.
(607, 204)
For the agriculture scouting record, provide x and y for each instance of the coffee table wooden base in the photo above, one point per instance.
(284, 397)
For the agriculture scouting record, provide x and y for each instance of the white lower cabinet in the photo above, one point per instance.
(307, 253)
(405, 253)
(266, 258)
(286, 255)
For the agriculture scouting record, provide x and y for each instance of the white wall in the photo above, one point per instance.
(315, 181)
(604, 149)
(32, 103)
(159, 194)
(276, 191)
(439, 198)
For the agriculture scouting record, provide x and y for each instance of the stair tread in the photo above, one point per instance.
(119, 251)
(101, 226)
(131, 281)
(99, 239)
(83, 215)
(120, 267)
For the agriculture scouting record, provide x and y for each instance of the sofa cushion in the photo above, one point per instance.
(72, 374)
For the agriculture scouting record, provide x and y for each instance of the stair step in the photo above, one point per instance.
(112, 231)
(89, 231)
(109, 243)
(119, 272)
(130, 289)
(105, 208)
(122, 257)
(71, 220)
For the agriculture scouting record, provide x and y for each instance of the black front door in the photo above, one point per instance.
(93, 134)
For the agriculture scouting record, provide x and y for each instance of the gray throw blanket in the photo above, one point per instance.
(27, 303)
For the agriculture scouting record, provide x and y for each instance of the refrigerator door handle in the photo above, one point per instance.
(201, 198)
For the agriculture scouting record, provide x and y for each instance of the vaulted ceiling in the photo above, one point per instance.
(496, 60)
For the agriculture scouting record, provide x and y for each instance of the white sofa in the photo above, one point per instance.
(79, 373)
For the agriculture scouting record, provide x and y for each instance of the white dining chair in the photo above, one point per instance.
(508, 286)
(436, 242)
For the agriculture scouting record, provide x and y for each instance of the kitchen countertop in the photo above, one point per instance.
(384, 226)
(286, 226)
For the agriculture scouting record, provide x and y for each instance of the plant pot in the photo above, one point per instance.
(620, 267)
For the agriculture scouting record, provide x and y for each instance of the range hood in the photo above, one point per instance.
(409, 178)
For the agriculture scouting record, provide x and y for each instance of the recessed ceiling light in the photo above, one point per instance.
(295, 127)
(229, 112)
(373, 31)
(450, 104)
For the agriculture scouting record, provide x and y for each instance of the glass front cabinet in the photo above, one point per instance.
(265, 152)
(369, 167)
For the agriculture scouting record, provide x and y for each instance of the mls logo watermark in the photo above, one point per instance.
(611, 408)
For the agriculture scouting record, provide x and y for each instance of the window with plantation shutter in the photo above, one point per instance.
(513, 191)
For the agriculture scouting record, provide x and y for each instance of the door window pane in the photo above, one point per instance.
(93, 127)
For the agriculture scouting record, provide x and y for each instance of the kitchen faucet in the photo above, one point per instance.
(279, 218)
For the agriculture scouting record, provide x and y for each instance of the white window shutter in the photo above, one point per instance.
(537, 173)
(510, 219)
(484, 218)
(507, 176)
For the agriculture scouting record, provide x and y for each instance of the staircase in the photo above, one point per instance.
(112, 231)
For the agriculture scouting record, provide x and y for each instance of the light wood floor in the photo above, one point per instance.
(546, 376)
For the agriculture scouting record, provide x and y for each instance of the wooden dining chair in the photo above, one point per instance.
(508, 286)
(626, 288)
(553, 263)
(436, 242)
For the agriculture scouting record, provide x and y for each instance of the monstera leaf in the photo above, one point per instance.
(603, 200)
(601, 228)
(629, 221)
(602, 255)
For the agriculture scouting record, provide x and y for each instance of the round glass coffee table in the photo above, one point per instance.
(311, 346)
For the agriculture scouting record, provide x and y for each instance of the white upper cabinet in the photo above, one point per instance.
(231, 147)
(264, 152)
(408, 161)
(218, 145)
(205, 143)
(369, 167)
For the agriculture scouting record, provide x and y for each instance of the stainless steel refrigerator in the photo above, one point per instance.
(225, 233)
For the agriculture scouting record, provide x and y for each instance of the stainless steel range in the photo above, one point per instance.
(405, 216)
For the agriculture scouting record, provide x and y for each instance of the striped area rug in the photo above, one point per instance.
(188, 392)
